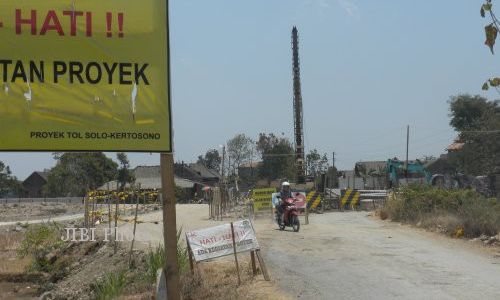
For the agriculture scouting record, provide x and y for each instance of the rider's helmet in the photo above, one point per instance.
(285, 190)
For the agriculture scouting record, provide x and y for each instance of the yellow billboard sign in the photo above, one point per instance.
(87, 75)
(262, 199)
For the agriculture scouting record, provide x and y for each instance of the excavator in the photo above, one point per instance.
(397, 175)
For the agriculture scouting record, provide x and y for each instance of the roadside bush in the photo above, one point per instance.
(448, 211)
(39, 241)
(156, 259)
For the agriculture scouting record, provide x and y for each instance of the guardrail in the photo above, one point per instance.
(353, 199)
(67, 200)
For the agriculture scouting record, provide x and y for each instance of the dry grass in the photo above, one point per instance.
(10, 241)
(218, 280)
(10, 263)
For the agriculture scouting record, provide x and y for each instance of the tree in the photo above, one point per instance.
(316, 164)
(8, 183)
(75, 173)
(472, 113)
(124, 174)
(211, 160)
(240, 150)
(477, 121)
(332, 177)
(491, 31)
(278, 157)
(266, 142)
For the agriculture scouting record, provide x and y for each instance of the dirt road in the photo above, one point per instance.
(353, 256)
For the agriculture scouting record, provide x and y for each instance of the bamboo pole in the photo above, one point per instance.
(135, 226)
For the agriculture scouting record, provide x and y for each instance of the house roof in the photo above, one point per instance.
(204, 172)
(147, 172)
(254, 164)
(148, 183)
(43, 174)
(149, 177)
(455, 146)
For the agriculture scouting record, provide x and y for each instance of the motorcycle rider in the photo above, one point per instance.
(285, 193)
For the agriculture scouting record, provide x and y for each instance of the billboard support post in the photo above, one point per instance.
(169, 225)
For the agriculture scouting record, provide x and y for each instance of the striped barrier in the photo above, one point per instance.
(313, 199)
(349, 199)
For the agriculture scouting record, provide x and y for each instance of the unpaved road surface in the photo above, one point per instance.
(351, 255)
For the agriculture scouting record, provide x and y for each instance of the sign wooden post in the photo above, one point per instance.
(254, 267)
(191, 263)
(262, 265)
(169, 225)
(235, 255)
(307, 214)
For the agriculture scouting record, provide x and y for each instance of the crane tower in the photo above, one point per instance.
(297, 110)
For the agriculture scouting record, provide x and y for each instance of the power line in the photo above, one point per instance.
(481, 131)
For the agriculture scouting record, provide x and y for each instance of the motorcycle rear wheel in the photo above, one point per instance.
(295, 223)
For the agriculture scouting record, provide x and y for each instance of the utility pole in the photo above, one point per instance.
(407, 150)
(222, 186)
(223, 162)
(334, 174)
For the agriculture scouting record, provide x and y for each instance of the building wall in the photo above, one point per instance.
(351, 182)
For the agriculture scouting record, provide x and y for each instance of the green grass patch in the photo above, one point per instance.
(110, 286)
(156, 259)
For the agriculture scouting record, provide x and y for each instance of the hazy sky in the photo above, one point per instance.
(369, 68)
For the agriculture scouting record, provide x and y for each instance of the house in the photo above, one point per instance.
(250, 171)
(348, 180)
(197, 172)
(33, 185)
(455, 147)
(182, 170)
(149, 178)
(208, 176)
(372, 173)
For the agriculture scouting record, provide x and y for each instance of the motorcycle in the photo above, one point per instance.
(289, 217)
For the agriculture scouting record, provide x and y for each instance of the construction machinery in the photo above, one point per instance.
(298, 111)
(398, 174)
(402, 173)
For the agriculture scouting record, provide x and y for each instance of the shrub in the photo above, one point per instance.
(40, 240)
(449, 210)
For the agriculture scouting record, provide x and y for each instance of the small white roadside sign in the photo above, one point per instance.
(217, 241)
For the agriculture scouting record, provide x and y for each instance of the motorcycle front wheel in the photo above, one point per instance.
(295, 223)
(281, 224)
